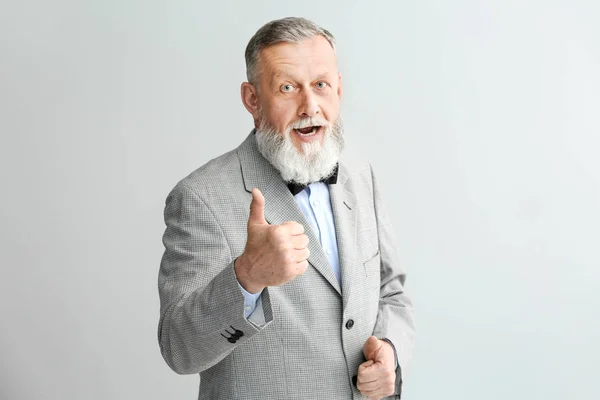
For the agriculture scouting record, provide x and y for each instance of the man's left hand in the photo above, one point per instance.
(377, 376)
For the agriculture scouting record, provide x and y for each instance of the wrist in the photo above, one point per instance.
(242, 267)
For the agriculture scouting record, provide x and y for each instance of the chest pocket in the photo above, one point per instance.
(373, 267)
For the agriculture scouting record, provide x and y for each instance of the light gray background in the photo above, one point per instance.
(480, 117)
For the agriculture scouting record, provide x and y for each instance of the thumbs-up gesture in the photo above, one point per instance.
(377, 376)
(274, 254)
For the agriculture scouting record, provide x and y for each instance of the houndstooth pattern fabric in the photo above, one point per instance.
(307, 349)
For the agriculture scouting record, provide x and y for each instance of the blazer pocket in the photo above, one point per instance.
(373, 265)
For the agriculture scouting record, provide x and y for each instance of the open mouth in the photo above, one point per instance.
(308, 131)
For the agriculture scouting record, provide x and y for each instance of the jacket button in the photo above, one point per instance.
(237, 332)
(354, 380)
(349, 324)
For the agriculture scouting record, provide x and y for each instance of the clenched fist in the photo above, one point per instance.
(377, 375)
(274, 254)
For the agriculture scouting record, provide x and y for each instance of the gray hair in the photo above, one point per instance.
(290, 30)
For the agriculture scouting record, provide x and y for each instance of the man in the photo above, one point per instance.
(280, 279)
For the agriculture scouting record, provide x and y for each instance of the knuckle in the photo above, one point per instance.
(283, 247)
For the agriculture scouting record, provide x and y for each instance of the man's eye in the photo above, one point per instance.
(321, 85)
(287, 88)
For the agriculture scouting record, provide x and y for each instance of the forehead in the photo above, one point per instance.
(308, 57)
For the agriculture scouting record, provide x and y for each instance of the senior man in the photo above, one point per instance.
(280, 277)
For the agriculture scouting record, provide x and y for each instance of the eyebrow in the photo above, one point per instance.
(322, 76)
(277, 74)
(280, 73)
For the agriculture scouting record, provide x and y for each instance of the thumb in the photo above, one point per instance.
(257, 209)
(371, 348)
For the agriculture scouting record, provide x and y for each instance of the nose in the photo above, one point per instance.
(309, 106)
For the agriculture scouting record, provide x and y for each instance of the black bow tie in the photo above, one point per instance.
(296, 188)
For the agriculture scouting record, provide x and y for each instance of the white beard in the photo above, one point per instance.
(316, 161)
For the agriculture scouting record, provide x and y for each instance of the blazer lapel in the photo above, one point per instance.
(343, 204)
(280, 204)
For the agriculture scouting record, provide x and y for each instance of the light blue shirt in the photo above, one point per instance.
(315, 204)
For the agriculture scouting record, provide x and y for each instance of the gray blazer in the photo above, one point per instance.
(311, 344)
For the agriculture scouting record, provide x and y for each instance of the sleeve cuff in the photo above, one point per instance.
(249, 300)
(393, 347)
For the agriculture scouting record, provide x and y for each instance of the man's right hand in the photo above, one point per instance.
(274, 254)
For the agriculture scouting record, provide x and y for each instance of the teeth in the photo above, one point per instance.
(311, 133)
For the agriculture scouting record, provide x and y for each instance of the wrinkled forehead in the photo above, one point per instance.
(306, 59)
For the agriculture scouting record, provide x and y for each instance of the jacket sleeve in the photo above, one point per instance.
(395, 320)
(201, 306)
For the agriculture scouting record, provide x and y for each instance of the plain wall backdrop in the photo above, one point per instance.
(481, 119)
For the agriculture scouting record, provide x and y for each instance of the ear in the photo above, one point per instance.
(340, 91)
(250, 98)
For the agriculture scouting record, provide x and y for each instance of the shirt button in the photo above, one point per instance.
(349, 324)
(328, 252)
(247, 308)
(316, 203)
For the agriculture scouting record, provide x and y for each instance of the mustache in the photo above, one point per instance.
(309, 121)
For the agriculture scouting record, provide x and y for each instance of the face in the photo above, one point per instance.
(299, 91)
